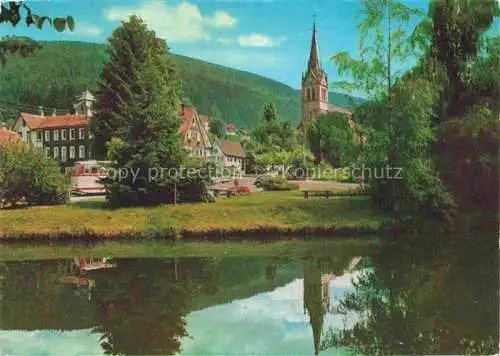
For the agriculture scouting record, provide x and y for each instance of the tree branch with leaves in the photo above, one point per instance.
(15, 12)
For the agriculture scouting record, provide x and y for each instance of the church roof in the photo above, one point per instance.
(335, 108)
(314, 63)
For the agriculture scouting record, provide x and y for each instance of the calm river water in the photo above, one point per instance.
(397, 300)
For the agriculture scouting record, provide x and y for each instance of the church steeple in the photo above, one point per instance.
(314, 64)
(314, 84)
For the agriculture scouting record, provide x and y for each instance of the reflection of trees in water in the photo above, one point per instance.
(424, 299)
(140, 307)
(33, 297)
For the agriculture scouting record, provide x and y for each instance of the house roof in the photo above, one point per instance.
(335, 108)
(245, 132)
(231, 128)
(188, 115)
(230, 148)
(45, 122)
(7, 136)
(86, 96)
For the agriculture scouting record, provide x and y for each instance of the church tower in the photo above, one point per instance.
(314, 85)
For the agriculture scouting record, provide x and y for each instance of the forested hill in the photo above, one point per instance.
(61, 70)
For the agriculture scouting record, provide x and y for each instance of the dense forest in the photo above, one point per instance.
(59, 71)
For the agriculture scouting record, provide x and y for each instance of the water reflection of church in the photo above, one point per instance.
(317, 295)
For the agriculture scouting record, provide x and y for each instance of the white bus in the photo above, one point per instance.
(85, 176)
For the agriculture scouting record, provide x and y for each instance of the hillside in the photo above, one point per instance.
(61, 70)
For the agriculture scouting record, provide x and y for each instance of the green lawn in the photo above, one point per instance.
(286, 211)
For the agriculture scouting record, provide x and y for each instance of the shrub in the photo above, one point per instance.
(276, 183)
(27, 175)
(337, 174)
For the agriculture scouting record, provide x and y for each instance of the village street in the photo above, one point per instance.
(249, 181)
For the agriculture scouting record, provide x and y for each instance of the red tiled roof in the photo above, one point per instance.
(230, 148)
(231, 128)
(7, 136)
(45, 122)
(188, 115)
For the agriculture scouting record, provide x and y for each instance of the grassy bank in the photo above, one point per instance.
(262, 214)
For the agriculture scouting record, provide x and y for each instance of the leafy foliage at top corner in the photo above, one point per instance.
(12, 13)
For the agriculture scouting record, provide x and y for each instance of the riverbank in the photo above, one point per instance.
(259, 216)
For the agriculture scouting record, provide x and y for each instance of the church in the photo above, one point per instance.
(315, 88)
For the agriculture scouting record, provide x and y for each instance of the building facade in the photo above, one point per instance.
(65, 138)
(230, 154)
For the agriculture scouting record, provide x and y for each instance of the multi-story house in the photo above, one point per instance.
(67, 138)
(194, 135)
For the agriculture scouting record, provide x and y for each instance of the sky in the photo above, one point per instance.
(267, 37)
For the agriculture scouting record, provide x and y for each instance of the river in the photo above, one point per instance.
(400, 298)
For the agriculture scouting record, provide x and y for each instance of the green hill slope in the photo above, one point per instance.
(61, 70)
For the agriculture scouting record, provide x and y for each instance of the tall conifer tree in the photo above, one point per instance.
(137, 117)
(129, 48)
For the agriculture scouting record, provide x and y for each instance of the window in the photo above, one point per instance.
(71, 152)
(63, 154)
(72, 134)
(47, 135)
(189, 134)
(81, 133)
(39, 136)
(56, 152)
(56, 135)
(313, 94)
(308, 93)
(198, 137)
(64, 134)
(81, 151)
(47, 151)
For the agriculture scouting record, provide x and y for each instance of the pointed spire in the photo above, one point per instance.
(314, 63)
